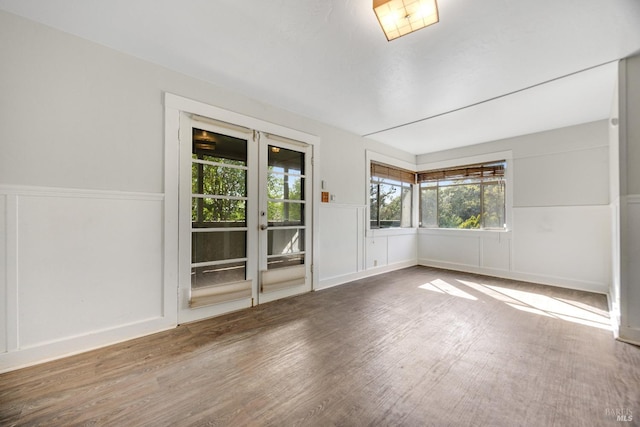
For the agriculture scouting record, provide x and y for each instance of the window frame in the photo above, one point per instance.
(507, 157)
(482, 183)
(375, 157)
(402, 186)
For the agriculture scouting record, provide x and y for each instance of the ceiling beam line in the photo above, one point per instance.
(486, 100)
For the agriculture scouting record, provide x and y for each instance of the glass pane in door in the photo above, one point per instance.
(285, 261)
(285, 241)
(285, 213)
(285, 160)
(218, 209)
(207, 212)
(285, 207)
(216, 246)
(286, 187)
(202, 277)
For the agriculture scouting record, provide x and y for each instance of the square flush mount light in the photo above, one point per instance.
(400, 17)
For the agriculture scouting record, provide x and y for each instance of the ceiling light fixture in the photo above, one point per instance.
(400, 17)
(204, 140)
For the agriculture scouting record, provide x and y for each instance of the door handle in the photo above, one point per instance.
(263, 226)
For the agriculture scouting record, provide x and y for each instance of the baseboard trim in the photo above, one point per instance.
(346, 278)
(22, 358)
(525, 277)
(629, 335)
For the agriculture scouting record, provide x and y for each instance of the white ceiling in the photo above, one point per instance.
(489, 69)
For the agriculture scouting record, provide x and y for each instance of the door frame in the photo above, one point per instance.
(174, 107)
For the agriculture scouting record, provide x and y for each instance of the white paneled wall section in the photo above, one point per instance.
(341, 243)
(468, 250)
(81, 267)
(391, 249)
(4, 276)
(349, 248)
(558, 214)
(346, 254)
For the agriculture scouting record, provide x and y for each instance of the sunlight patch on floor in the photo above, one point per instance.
(544, 305)
(529, 309)
(443, 287)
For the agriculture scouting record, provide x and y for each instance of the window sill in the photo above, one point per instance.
(463, 232)
(379, 232)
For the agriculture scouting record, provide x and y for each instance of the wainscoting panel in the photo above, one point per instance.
(561, 246)
(377, 251)
(86, 264)
(387, 249)
(88, 271)
(495, 251)
(402, 248)
(340, 242)
(346, 254)
(632, 325)
(570, 246)
(3, 275)
(450, 246)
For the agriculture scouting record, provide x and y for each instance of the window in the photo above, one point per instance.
(390, 196)
(471, 196)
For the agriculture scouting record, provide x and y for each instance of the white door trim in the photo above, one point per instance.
(174, 105)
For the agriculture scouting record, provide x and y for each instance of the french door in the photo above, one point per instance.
(285, 218)
(245, 218)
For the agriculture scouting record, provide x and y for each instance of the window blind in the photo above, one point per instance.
(382, 171)
(486, 170)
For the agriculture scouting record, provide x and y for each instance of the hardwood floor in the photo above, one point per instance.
(416, 347)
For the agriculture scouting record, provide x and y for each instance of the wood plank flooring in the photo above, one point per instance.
(415, 347)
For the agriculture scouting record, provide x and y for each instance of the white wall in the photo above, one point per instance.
(81, 192)
(614, 199)
(625, 195)
(560, 219)
(3, 274)
(341, 243)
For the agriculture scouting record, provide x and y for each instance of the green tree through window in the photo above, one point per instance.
(470, 197)
(390, 196)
